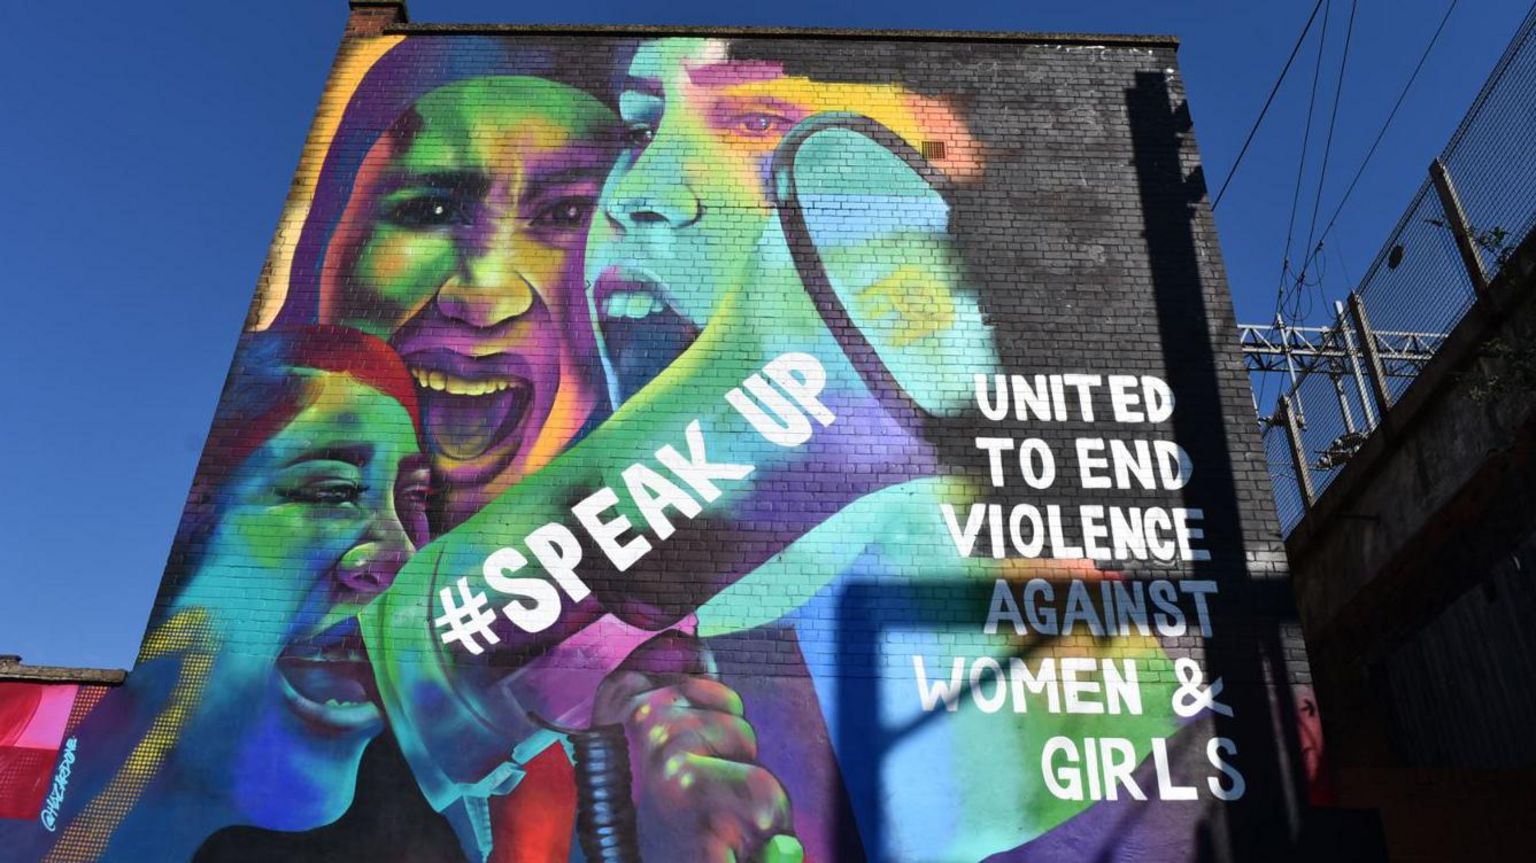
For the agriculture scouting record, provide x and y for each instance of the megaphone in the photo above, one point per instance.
(865, 221)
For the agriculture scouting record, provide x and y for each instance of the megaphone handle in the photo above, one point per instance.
(605, 811)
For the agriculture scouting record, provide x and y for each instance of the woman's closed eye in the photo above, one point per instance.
(328, 479)
(324, 492)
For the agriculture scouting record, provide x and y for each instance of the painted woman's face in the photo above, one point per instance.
(316, 523)
(683, 211)
(462, 247)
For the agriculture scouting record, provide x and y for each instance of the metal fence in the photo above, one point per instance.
(1462, 226)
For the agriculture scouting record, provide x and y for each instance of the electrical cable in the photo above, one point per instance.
(1294, 313)
(1267, 102)
(1322, 174)
(1359, 172)
(1371, 151)
(1301, 166)
(1339, 256)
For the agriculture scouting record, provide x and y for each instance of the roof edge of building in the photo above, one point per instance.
(12, 670)
(1106, 39)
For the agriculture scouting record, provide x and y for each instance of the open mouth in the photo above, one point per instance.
(328, 681)
(642, 331)
(468, 406)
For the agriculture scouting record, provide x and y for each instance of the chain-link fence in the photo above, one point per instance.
(1470, 214)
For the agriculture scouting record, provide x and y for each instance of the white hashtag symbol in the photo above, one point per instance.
(466, 621)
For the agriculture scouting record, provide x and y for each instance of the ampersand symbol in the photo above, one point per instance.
(1191, 697)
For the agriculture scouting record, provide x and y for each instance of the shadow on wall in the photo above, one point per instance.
(1248, 649)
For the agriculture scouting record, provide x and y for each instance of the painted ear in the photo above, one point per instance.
(868, 228)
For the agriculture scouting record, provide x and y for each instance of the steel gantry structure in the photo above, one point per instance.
(1357, 361)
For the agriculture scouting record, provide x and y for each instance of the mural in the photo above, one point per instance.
(663, 449)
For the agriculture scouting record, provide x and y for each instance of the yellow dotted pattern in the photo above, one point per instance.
(86, 837)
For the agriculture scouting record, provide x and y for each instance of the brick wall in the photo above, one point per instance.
(670, 389)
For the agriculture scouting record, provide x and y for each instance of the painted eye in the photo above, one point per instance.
(411, 504)
(638, 135)
(760, 124)
(565, 213)
(416, 495)
(325, 492)
(429, 211)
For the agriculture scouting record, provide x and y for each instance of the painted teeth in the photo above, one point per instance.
(435, 380)
(631, 304)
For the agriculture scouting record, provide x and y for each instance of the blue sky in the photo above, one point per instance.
(146, 150)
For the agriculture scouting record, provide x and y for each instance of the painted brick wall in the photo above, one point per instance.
(634, 422)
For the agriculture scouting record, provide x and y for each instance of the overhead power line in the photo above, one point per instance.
(1267, 102)
(1338, 93)
(1299, 284)
(1381, 133)
(1301, 164)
